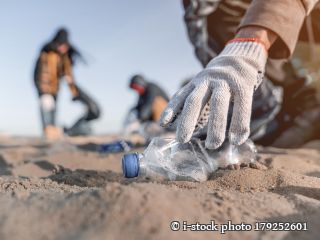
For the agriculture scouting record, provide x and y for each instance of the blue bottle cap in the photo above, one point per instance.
(130, 165)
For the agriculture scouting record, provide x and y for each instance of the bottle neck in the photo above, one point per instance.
(142, 164)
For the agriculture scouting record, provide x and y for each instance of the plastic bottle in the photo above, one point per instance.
(167, 159)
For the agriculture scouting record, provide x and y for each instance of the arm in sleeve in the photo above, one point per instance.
(285, 18)
(69, 77)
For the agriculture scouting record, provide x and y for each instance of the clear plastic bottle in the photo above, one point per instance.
(167, 159)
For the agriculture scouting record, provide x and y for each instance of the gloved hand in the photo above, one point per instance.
(233, 75)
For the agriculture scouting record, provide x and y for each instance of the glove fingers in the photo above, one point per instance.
(191, 111)
(175, 105)
(240, 122)
(218, 115)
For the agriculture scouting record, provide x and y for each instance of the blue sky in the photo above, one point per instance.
(118, 37)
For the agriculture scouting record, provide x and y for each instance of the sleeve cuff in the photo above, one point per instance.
(284, 17)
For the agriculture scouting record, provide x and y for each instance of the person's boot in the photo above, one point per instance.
(53, 133)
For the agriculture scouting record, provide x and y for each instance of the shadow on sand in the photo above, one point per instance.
(5, 168)
(306, 212)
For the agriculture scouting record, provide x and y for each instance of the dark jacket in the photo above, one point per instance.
(151, 103)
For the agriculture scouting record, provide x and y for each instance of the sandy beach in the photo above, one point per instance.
(62, 190)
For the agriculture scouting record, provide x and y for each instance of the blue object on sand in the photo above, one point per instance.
(118, 146)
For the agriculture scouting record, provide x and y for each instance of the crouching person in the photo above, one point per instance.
(144, 117)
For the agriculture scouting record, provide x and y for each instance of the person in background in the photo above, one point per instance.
(243, 46)
(143, 118)
(152, 99)
(55, 63)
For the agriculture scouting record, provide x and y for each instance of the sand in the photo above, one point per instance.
(58, 191)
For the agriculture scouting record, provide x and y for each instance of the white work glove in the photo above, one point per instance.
(47, 102)
(232, 75)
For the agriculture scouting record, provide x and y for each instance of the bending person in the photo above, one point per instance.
(55, 63)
